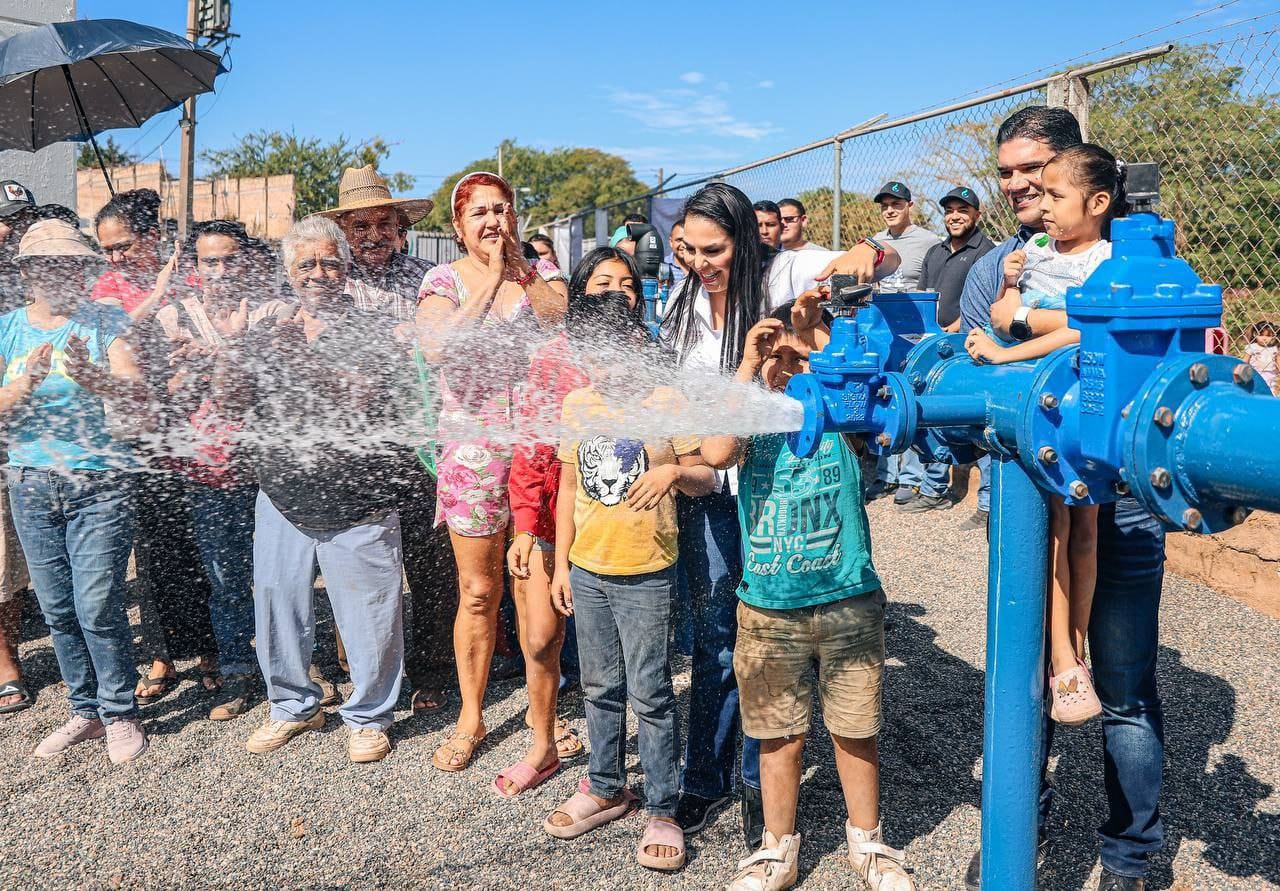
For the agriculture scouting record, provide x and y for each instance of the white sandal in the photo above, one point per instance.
(772, 868)
(879, 865)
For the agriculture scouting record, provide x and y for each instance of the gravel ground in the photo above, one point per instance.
(198, 811)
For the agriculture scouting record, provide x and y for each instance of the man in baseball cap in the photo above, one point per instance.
(948, 263)
(17, 212)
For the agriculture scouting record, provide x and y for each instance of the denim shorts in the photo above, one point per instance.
(774, 658)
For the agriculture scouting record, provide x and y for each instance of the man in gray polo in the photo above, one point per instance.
(903, 473)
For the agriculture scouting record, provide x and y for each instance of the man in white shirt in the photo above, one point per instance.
(911, 242)
(795, 220)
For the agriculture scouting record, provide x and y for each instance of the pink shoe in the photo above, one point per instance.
(72, 733)
(126, 740)
(1074, 701)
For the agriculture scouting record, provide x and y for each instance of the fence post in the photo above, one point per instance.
(602, 228)
(835, 195)
(1072, 93)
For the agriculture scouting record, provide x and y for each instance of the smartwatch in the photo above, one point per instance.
(876, 246)
(1020, 328)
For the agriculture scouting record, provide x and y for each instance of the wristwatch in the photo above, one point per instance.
(1020, 328)
(875, 246)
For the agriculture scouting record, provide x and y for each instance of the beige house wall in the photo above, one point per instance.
(264, 204)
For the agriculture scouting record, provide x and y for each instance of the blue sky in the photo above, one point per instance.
(688, 87)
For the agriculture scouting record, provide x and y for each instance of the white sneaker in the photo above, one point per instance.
(772, 868)
(879, 865)
(126, 740)
(74, 732)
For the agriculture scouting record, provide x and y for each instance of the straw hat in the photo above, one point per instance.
(55, 238)
(361, 188)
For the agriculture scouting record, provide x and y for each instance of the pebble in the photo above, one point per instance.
(198, 811)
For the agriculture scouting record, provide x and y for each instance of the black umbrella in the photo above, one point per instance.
(73, 80)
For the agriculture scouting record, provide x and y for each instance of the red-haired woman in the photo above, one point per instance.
(467, 310)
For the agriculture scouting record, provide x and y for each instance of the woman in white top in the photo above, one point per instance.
(734, 280)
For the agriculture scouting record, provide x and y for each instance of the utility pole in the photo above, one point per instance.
(187, 157)
(661, 180)
(500, 159)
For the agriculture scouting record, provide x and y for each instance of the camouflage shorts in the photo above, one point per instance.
(775, 655)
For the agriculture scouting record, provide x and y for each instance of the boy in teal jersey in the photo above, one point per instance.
(809, 596)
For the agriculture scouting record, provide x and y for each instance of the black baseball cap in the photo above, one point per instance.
(963, 194)
(893, 189)
(14, 198)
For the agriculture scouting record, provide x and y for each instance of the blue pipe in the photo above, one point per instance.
(1018, 576)
(1211, 452)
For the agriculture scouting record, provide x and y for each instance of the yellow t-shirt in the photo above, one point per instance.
(611, 537)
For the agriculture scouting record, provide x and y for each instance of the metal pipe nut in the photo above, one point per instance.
(1199, 374)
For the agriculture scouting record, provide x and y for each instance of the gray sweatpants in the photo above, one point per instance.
(361, 566)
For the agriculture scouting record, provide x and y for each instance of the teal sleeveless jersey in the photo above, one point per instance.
(804, 525)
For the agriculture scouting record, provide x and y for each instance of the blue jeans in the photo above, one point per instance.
(711, 557)
(623, 650)
(984, 483)
(76, 529)
(362, 571)
(1123, 640)
(907, 471)
(224, 536)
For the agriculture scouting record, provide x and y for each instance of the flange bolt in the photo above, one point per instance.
(885, 440)
(1047, 455)
(1242, 374)
(1160, 478)
(1079, 490)
(1048, 402)
(1191, 519)
(946, 350)
(1238, 514)
(1164, 416)
(1199, 374)
(883, 393)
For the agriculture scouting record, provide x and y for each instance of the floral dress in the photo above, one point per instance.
(476, 430)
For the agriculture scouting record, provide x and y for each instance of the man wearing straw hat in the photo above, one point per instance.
(386, 280)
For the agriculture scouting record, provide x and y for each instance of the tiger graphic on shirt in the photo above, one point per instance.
(608, 467)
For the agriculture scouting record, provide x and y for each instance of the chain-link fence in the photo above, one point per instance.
(1206, 112)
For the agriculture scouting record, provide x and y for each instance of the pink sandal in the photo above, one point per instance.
(587, 814)
(525, 777)
(661, 833)
(1074, 701)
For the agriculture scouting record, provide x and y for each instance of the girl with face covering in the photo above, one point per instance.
(465, 317)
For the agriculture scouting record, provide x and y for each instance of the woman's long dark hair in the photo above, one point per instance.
(731, 210)
(587, 266)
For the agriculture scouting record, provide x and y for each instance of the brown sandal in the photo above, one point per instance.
(568, 743)
(429, 699)
(450, 750)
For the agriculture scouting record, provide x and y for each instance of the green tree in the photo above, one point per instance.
(112, 153)
(1216, 137)
(316, 165)
(548, 184)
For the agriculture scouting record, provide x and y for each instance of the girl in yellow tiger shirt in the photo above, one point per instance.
(615, 571)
